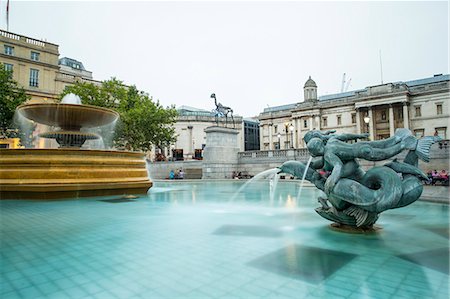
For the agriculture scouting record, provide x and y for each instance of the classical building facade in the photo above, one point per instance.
(419, 105)
(190, 131)
(36, 66)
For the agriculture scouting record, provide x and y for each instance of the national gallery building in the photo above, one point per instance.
(419, 105)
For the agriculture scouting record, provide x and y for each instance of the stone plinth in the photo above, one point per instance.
(220, 156)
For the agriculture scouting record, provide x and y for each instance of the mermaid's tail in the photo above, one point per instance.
(423, 147)
(380, 189)
(406, 168)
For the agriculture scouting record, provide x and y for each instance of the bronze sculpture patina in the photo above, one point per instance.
(222, 111)
(354, 197)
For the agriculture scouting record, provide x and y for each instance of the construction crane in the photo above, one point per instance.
(344, 86)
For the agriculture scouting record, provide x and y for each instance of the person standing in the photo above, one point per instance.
(181, 174)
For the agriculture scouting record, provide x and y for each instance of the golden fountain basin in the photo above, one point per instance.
(68, 173)
(68, 115)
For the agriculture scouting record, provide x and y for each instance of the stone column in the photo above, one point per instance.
(317, 121)
(295, 134)
(391, 121)
(220, 157)
(261, 137)
(311, 125)
(371, 132)
(358, 121)
(191, 141)
(270, 136)
(405, 116)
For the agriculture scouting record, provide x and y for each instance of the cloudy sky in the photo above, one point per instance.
(251, 54)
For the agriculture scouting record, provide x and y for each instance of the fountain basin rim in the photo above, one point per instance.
(62, 150)
(106, 115)
(20, 107)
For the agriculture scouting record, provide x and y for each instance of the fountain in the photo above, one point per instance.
(70, 171)
(353, 197)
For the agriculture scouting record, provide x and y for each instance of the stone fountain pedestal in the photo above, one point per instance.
(220, 156)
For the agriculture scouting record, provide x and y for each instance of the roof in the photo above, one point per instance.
(70, 62)
(434, 79)
(329, 97)
(339, 95)
(430, 80)
(310, 83)
(279, 108)
(191, 109)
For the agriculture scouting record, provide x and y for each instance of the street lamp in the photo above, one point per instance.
(291, 128)
(367, 120)
(279, 144)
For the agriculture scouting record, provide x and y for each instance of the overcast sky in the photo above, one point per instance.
(251, 54)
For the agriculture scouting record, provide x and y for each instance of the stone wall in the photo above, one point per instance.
(161, 170)
(254, 162)
(220, 157)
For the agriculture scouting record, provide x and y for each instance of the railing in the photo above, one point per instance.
(9, 35)
(300, 153)
(35, 42)
(28, 40)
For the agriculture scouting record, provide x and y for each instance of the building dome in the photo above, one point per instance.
(310, 83)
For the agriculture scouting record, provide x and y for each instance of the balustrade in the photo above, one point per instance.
(276, 154)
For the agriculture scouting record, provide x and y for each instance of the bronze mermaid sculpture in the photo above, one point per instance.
(352, 196)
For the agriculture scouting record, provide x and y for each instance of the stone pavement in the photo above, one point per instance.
(438, 194)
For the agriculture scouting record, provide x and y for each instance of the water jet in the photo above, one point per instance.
(70, 170)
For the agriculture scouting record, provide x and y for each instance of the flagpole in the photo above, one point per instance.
(7, 16)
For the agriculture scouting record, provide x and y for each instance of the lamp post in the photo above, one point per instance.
(291, 128)
(279, 144)
(367, 120)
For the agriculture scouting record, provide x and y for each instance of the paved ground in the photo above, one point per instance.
(436, 194)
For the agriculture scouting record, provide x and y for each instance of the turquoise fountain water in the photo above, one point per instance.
(188, 240)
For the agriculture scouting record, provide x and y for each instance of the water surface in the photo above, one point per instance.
(190, 240)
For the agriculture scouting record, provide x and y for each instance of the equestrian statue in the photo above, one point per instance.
(222, 111)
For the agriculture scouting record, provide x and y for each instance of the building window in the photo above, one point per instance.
(419, 133)
(8, 67)
(353, 118)
(324, 122)
(439, 109)
(441, 132)
(339, 120)
(418, 111)
(305, 123)
(34, 78)
(383, 115)
(34, 56)
(9, 50)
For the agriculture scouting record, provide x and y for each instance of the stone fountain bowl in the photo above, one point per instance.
(68, 115)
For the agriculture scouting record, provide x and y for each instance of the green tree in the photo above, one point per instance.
(143, 122)
(11, 96)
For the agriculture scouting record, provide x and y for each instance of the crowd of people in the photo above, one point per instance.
(178, 175)
(438, 177)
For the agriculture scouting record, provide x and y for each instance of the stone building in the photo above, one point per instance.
(190, 131)
(419, 105)
(36, 66)
(251, 134)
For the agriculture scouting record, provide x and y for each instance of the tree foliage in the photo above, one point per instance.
(11, 96)
(143, 122)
